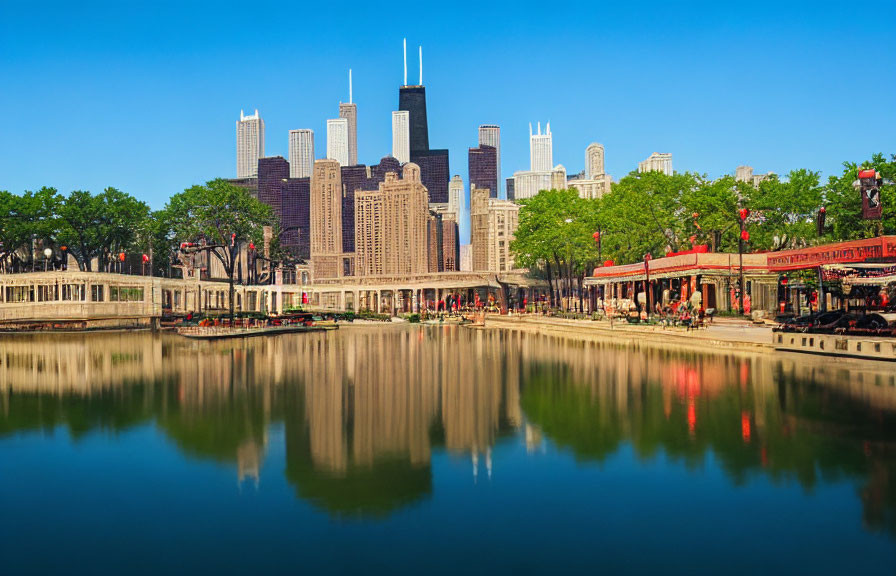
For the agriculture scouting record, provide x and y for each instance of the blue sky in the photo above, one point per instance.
(145, 97)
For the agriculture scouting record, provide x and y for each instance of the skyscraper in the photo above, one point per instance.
(401, 145)
(456, 197)
(594, 161)
(493, 222)
(350, 113)
(272, 172)
(249, 144)
(326, 219)
(541, 154)
(483, 168)
(301, 153)
(490, 135)
(657, 162)
(434, 172)
(391, 226)
(337, 141)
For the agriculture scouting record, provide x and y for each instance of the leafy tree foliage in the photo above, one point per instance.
(24, 218)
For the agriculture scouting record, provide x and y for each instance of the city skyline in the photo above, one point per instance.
(703, 113)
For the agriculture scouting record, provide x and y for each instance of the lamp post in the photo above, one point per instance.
(47, 253)
(744, 237)
(648, 291)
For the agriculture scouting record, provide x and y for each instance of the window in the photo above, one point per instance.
(125, 294)
(15, 294)
(96, 293)
(73, 292)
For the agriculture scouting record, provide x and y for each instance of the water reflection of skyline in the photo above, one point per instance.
(364, 409)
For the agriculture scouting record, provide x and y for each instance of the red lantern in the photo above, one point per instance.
(744, 235)
(693, 239)
(743, 213)
(596, 236)
(121, 256)
(145, 258)
(784, 281)
(695, 215)
(233, 239)
(609, 263)
(251, 246)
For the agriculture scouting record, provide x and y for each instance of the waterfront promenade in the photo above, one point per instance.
(723, 333)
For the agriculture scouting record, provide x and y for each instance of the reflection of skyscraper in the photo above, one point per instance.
(401, 146)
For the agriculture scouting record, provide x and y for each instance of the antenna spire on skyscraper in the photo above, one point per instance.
(349, 85)
(405, 62)
(421, 66)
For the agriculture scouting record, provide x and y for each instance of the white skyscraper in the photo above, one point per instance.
(337, 141)
(249, 144)
(401, 136)
(350, 112)
(657, 162)
(456, 203)
(301, 153)
(541, 153)
(490, 135)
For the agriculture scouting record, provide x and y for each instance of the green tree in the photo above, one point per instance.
(222, 217)
(101, 225)
(784, 211)
(845, 202)
(25, 218)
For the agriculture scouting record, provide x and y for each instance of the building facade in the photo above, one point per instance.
(466, 257)
(541, 150)
(493, 223)
(490, 135)
(594, 161)
(412, 99)
(349, 112)
(745, 174)
(401, 139)
(301, 153)
(527, 184)
(483, 168)
(435, 172)
(391, 226)
(326, 219)
(337, 141)
(249, 144)
(657, 162)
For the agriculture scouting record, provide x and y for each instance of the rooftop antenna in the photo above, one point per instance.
(405, 61)
(349, 85)
(421, 65)
(539, 128)
(530, 129)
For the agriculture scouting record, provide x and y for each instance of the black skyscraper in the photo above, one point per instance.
(413, 99)
(483, 167)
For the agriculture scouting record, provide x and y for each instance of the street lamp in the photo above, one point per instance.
(47, 253)
(744, 237)
(647, 289)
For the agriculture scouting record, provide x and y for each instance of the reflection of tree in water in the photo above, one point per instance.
(752, 415)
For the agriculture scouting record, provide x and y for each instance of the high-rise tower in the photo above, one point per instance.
(350, 113)
(337, 140)
(541, 154)
(249, 144)
(594, 161)
(483, 168)
(301, 153)
(401, 146)
(490, 135)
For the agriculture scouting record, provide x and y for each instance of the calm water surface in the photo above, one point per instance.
(441, 449)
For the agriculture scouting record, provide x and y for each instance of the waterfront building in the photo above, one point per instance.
(249, 144)
(541, 155)
(301, 153)
(391, 226)
(490, 135)
(326, 219)
(337, 140)
(401, 144)
(528, 183)
(483, 168)
(493, 223)
(745, 174)
(657, 162)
